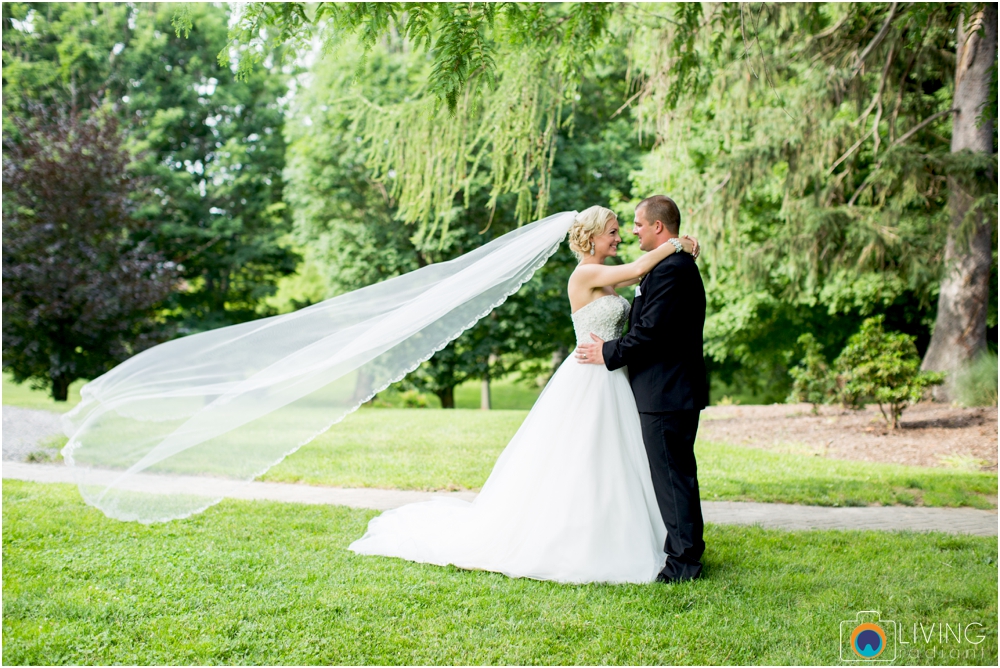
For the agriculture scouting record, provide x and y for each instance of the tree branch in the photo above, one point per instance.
(711, 193)
(746, 45)
(659, 16)
(922, 124)
(881, 89)
(832, 29)
(628, 102)
(902, 81)
(864, 184)
(763, 62)
(875, 42)
(876, 103)
(847, 153)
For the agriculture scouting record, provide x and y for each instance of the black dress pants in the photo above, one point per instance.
(669, 439)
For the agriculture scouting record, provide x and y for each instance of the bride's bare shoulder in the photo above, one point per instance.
(585, 273)
(583, 278)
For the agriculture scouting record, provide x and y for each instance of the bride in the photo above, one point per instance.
(175, 429)
(571, 497)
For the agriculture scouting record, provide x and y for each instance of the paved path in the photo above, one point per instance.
(769, 515)
(26, 429)
(366, 497)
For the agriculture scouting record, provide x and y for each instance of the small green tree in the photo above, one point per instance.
(882, 367)
(811, 379)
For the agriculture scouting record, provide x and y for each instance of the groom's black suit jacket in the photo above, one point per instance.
(663, 346)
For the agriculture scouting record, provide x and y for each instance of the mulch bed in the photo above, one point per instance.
(930, 434)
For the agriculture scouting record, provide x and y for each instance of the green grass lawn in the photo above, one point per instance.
(269, 583)
(404, 449)
(25, 396)
(434, 449)
(423, 449)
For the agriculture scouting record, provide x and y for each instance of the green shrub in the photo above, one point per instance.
(976, 384)
(811, 379)
(884, 368)
(413, 399)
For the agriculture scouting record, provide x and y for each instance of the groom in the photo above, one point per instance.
(663, 353)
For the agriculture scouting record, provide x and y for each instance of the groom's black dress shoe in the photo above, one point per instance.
(660, 577)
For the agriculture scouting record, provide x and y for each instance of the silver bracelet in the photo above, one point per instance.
(678, 246)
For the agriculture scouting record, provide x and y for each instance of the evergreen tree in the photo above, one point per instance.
(884, 368)
(812, 144)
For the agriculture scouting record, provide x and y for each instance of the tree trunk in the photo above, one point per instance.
(484, 395)
(60, 388)
(362, 386)
(558, 355)
(960, 327)
(447, 397)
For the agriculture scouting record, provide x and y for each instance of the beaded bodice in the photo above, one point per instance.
(605, 316)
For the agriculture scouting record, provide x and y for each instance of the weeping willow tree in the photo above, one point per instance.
(498, 78)
(433, 153)
(835, 156)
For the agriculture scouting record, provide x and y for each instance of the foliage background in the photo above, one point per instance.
(339, 144)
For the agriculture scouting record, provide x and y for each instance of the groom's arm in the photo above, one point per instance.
(649, 335)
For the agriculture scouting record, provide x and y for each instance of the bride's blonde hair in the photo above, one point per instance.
(588, 224)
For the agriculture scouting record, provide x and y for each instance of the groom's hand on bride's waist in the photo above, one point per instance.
(591, 353)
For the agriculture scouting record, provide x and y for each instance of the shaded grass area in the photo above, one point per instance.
(268, 583)
(25, 396)
(425, 450)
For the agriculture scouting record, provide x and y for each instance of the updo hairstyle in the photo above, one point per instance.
(588, 224)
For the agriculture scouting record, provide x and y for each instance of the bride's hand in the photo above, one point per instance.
(691, 245)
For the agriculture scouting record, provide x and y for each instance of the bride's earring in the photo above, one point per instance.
(591, 250)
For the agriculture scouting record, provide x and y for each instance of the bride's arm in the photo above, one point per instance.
(599, 275)
(695, 251)
(625, 284)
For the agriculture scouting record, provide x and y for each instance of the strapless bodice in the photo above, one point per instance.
(605, 316)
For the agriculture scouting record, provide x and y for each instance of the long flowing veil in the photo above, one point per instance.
(164, 434)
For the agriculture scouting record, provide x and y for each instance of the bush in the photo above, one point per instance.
(976, 384)
(413, 399)
(811, 379)
(884, 368)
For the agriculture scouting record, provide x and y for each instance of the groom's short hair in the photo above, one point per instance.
(661, 208)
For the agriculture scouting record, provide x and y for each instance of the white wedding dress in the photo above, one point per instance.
(570, 499)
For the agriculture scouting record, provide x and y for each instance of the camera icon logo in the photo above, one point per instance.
(868, 638)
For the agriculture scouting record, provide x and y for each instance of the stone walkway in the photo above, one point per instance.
(768, 515)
